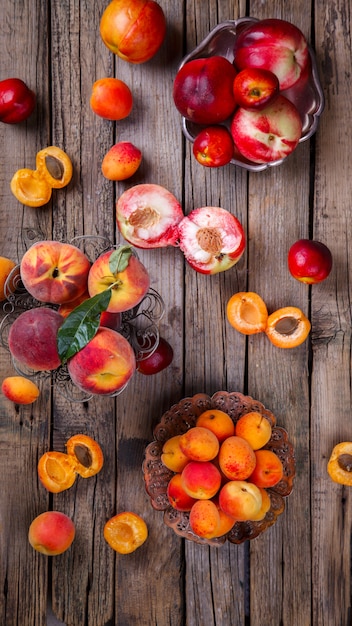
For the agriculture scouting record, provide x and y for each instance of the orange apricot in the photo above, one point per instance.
(56, 471)
(254, 428)
(226, 521)
(340, 463)
(268, 469)
(201, 479)
(87, 453)
(199, 444)
(125, 532)
(19, 389)
(219, 422)
(287, 327)
(204, 519)
(266, 504)
(236, 458)
(247, 312)
(177, 496)
(51, 533)
(172, 456)
(240, 499)
(6, 266)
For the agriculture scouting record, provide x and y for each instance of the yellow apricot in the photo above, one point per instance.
(19, 389)
(6, 266)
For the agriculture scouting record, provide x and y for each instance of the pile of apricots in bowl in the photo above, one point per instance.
(219, 468)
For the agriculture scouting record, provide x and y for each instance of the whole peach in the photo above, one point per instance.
(133, 29)
(172, 456)
(128, 287)
(204, 519)
(32, 339)
(54, 272)
(268, 470)
(219, 422)
(20, 389)
(240, 499)
(121, 161)
(105, 364)
(51, 533)
(199, 444)
(254, 428)
(177, 496)
(236, 458)
(201, 479)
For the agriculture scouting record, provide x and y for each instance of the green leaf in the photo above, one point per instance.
(119, 259)
(81, 325)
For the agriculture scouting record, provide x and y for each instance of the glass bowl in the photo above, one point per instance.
(177, 420)
(309, 101)
(139, 325)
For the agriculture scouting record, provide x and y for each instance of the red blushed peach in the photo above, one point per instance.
(204, 519)
(121, 161)
(128, 287)
(240, 500)
(104, 365)
(199, 444)
(236, 458)
(54, 272)
(219, 422)
(67, 308)
(172, 456)
(254, 428)
(268, 470)
(32, 339)
(19, 389)
(110, 320)
(51, 533)
(177, 496)
(201, 479)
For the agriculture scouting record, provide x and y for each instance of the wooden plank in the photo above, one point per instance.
(331, 381)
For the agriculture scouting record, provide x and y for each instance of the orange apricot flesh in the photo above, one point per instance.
(125, 532)
(340, 464)
(56, 471)
(6, 266)
(287, 327)
(87, 453)
(247, 312)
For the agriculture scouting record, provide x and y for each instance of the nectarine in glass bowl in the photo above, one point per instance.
(66, 340)
(306, 94)
(179, 419)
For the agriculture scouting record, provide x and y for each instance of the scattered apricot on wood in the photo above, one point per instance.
(51, 533)
(287, 327)
(56, 471)
(247, 312)
(87, 453)
(340, 463)
(20, 389)
(125, 532)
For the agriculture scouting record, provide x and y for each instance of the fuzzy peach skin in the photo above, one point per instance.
(177, 496)
(172, 456)
(32, 339)
(201, 479)
(219, 422)
(20, 390)
(6, 266)
(54, 272)
(204, 519)
(104, 365)
(131, 285)
(268, 470)
(199, 444)
(254, 428)
(240, 499)
(51, 533)
(236, 458)
(121, 161)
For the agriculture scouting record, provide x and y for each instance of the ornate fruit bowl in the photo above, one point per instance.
(309, 101)
(181, 417)
(138, 325)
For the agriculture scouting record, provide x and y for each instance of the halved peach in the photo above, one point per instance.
(287, 327)
(247, 312)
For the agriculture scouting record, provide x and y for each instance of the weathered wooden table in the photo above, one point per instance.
(299, 571)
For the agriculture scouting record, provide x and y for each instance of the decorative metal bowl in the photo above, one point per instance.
(138, 325)
(309, 101)
(177, 420)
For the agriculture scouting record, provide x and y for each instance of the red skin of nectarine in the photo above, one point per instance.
(105, 365)
(309, 261)
(54, 272)
(32, 339)
(51, 533)
(133, 29)
(213, 146)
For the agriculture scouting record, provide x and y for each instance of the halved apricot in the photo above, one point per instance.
(287, 327)
(125, 532)
(54, 166)
(87, 454)
(340, 463)
(247, 312)
(56, 471)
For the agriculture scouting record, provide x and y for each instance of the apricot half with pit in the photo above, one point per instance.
(287, 327)
(340, 464)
